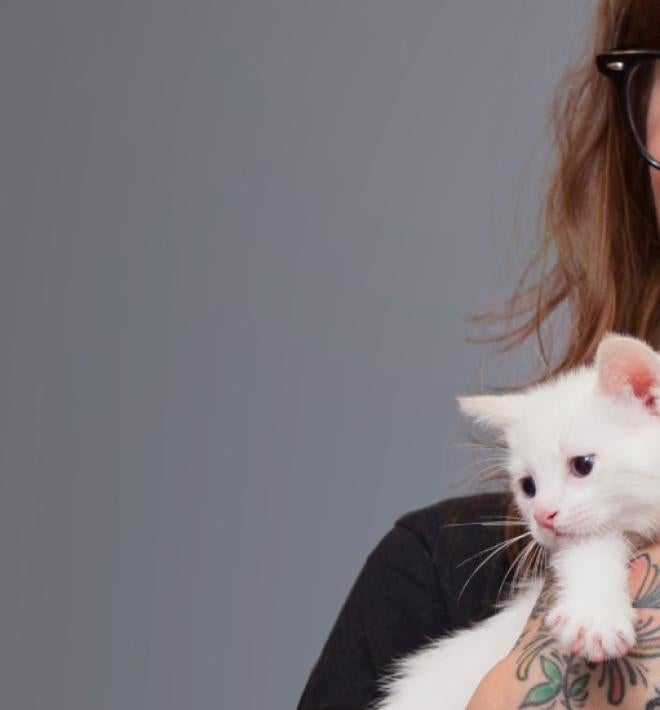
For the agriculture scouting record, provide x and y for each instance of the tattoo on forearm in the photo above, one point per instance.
(654, 702)
(568, 680)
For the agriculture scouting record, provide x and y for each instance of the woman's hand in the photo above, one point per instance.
(539, 673)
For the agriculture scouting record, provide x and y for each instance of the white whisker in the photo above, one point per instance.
(499, 547)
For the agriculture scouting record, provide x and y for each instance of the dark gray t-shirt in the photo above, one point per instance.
(407, 594)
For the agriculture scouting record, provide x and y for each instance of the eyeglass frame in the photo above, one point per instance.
(617, 65)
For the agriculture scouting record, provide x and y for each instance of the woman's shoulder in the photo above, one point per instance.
(444, 516)
(407, 593)
(456, 538)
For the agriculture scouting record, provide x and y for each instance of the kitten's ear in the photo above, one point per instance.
(496, 411)
(628, 366)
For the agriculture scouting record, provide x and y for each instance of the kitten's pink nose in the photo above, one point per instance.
(545, 518)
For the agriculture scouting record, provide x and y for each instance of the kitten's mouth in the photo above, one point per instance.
(553, 535)
(570, 534)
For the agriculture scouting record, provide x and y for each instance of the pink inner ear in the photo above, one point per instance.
(627, 365)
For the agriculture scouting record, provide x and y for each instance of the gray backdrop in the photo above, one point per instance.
(239, 239)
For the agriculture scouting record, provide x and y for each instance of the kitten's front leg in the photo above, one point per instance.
(593, 615)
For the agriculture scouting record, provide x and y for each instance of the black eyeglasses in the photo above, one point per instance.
(636, 77)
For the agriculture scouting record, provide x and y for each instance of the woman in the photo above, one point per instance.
(600, 226)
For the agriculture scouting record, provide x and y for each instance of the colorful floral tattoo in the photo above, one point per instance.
(568, 680)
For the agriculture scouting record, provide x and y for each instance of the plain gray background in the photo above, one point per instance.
(239, 239)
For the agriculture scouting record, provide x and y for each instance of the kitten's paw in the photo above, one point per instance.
(596, 634)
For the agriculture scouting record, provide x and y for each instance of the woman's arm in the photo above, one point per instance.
(539, 673)
(391, 608)
(411, 589)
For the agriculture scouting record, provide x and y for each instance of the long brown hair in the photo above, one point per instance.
(598, 250)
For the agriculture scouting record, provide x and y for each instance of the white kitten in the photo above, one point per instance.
(584, 464)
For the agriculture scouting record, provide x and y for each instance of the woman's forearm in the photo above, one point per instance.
(540, 673)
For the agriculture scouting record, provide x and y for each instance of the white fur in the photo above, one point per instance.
(593, 596)
(607, 409)
(445, 674)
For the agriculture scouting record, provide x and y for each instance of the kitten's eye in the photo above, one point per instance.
(581, 465)
(528, 486)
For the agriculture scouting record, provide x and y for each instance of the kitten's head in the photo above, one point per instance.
(584, 447)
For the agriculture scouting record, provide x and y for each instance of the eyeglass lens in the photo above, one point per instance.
(644, 103)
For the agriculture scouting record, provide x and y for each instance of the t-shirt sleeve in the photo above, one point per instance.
(394, 607)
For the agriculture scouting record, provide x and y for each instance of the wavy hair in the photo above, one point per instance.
(598, 249)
